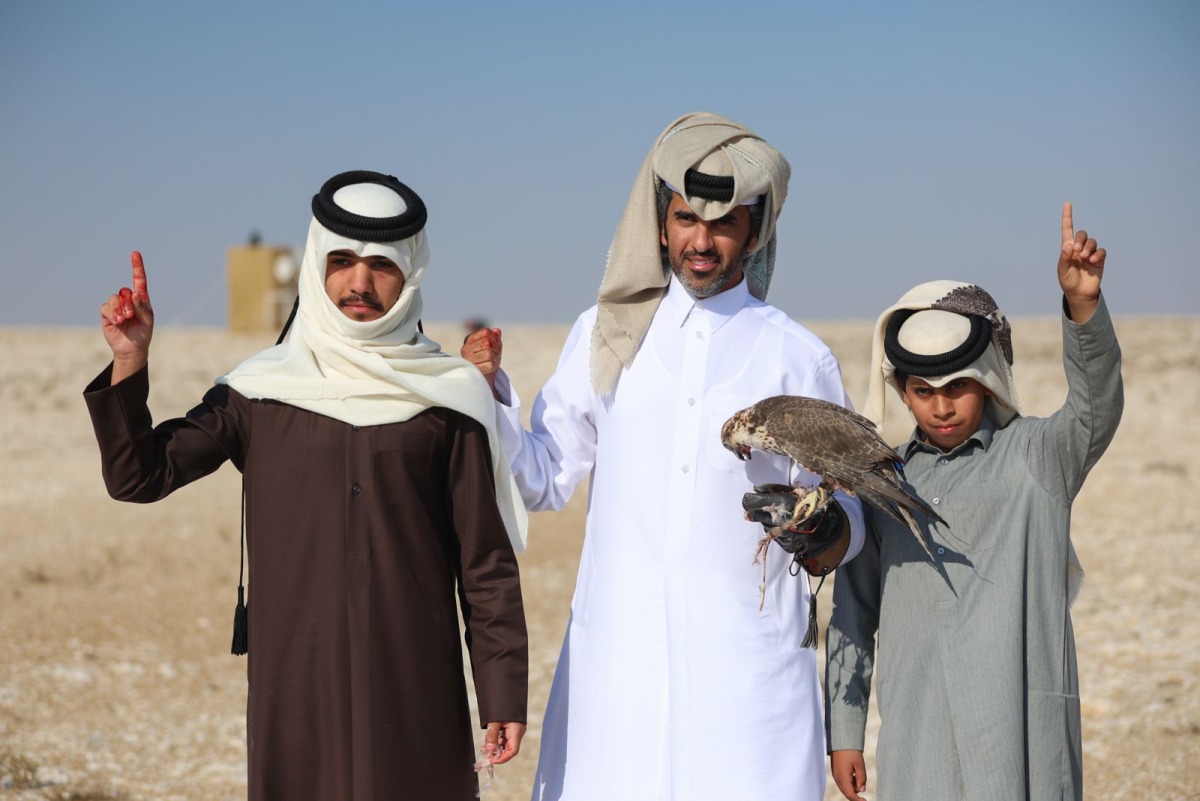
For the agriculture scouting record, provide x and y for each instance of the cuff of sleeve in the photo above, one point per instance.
(847, 735)
(508, 416)
(1100, 317)
(502, 697)
(504, 390)
(1095, 339)
(133, 392)
(852, 507)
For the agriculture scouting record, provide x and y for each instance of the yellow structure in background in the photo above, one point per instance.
(262, 287)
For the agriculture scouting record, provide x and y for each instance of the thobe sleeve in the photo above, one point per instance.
(489, 581)
(850, 645)
(1067, 445)
(549, 461)
(142, 462)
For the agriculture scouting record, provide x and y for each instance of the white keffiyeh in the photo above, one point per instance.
(938, 325)
(379, 371)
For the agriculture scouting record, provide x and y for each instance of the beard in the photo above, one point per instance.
(712, 283)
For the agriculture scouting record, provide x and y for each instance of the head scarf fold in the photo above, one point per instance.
(634, 277)
(378, 371)
(937, 327)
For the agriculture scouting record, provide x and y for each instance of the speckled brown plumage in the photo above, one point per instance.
(835, 443)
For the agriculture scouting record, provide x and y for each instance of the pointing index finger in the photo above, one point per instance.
(1068, 224)
(139, 274)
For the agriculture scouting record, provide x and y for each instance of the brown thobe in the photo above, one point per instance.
(357, 540)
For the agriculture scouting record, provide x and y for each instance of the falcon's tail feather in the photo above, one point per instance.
(898, 513)
(889, 486)
(897, 503)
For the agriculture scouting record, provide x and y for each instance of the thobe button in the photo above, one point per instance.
(356, 488)
(691, 401)
(943, 460)
(356, 428)
(699, 335)
(941, 551)
(685, 468)
(936, 501)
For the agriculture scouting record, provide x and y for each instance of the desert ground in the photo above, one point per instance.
(115, 675)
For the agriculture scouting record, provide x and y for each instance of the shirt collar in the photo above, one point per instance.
(677, 304)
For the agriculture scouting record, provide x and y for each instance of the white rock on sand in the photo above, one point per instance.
(115, 677)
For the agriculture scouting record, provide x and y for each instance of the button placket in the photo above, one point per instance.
(689, 397)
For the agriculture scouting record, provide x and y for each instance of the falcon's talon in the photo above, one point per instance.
(811, 502)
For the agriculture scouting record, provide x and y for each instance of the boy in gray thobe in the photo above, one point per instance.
(978, 687)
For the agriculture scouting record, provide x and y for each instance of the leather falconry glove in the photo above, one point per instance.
(805, 525)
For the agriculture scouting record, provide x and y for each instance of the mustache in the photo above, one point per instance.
(360, 300)
(711, 253)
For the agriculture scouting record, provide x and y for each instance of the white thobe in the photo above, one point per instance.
(672, 684)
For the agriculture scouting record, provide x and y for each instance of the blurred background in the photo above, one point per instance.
(927, 139)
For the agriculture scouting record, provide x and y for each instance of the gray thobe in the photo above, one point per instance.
(978, 687)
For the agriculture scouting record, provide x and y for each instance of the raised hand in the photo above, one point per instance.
(1080, 268)
(482, 348)
(127, 320)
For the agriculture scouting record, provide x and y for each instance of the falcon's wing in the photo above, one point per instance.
(826, 439)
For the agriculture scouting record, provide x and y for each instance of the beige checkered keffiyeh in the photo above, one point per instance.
(634, 278)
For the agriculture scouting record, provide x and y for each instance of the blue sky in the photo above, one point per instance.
(927, 140)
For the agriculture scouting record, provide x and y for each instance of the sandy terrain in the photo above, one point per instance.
(115, 677)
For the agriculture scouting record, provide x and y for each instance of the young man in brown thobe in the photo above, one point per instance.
(375, 493)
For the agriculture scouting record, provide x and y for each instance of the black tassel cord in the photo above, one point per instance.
(240, 616)
(241, 622)
(810, 637)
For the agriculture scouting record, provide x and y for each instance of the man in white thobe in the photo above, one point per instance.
(683, 675)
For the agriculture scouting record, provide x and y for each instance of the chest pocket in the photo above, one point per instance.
(977, 511)
(408, 472)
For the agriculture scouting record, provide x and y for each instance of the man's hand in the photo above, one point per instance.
(482, 349)
(849, 773)
(1080, 268)
(127, 321)
(503, 741)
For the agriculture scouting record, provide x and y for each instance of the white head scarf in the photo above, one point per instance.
(939, 322)
(634, 278)
(379, 371)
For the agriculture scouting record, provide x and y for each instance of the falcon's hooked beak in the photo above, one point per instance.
(731, 437)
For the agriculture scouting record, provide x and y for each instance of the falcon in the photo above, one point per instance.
(835, 443)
